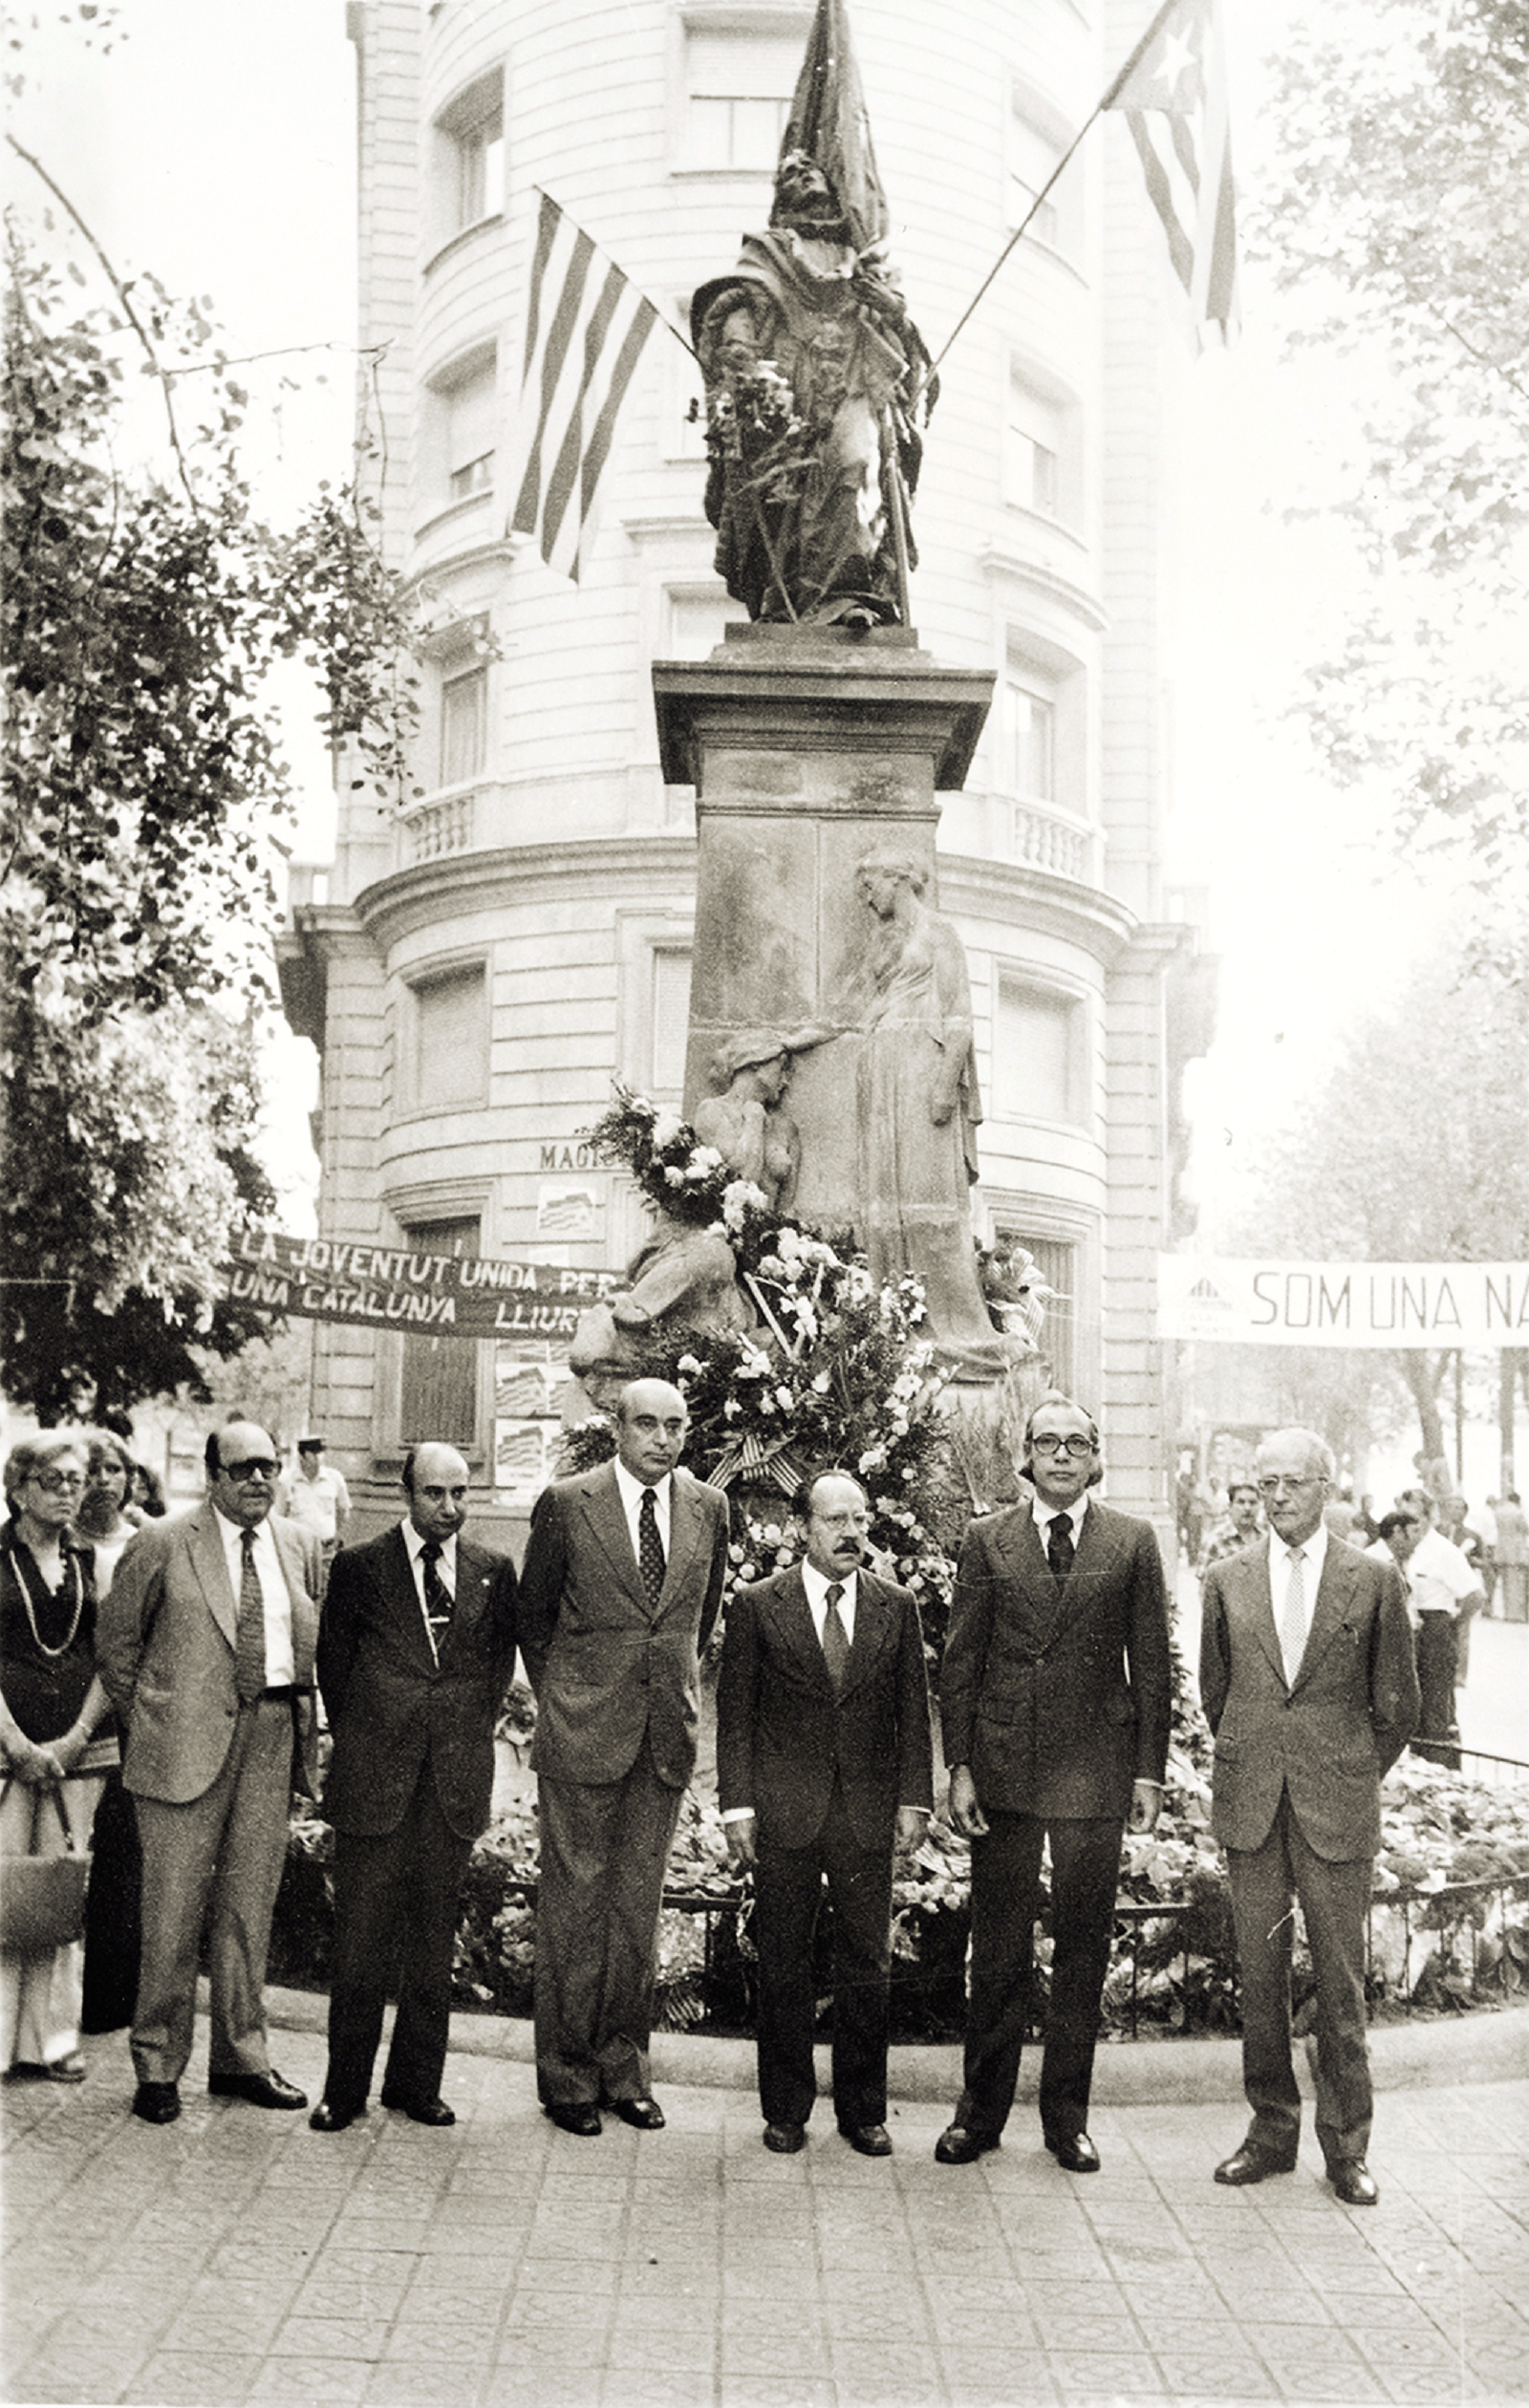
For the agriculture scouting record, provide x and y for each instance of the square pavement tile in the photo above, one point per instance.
(775, 2391)
(1214, 2373)
(411, 2383)
(297, 2382)
(1115, 2374)
(624, 2387)
(195, 2378)
(332, 2336)
(463, 2345)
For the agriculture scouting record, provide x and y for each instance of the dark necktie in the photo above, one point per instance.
(1059, 1548)
(650, 1549)
(437, 1595)
(835, 1641)
(249, 1631)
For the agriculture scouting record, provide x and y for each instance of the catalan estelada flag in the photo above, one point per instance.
(1173, 94)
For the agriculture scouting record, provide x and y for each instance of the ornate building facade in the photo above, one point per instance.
(485, 955)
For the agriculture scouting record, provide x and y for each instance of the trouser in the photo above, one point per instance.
(604, 1848)
(1334, 1899)
(40, 1995)
(1436, 1680)
(787, 1897)
(1005, 1899)
(395, 1899)
(226, 1847)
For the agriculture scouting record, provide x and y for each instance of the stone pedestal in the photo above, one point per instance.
(806, 747)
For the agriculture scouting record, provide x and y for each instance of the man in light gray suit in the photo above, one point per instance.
(1307, 1680)
(205, 1643)
(620, 1587)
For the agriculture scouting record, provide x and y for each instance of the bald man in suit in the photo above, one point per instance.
(206, 1644)
(619, 1590)
(1308, 1683)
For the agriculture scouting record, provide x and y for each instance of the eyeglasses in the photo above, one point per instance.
(1047, 1444)
(57, 1483)
(1273, 1488)
(251, 1468)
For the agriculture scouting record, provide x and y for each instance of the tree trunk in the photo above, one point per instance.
(1422, 1372)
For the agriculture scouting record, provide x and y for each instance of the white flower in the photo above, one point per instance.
(688, 1363)
(666, 1127)
(822, 1384)
(872, 1459)
(785, 1400)
(770, 1534)
(675, 1177)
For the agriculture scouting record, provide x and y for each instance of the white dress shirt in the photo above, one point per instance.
(1072, 1514)
(817, 1587)
(1313, 1553)
(631, 1491)
(446, 1565)
(281, 1664)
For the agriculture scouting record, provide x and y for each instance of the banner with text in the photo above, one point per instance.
(1343, 1304)
(393, 1287)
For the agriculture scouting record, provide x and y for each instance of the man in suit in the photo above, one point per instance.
(1055, 1703)
(207, 1650)
(416, 1649)
(824, 1767)
(621, 1582)
(1308, 1683)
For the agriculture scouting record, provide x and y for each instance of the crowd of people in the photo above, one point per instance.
(185, 1659)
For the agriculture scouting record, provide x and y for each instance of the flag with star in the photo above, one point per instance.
(1173, 94)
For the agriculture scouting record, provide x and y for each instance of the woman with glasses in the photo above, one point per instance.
(50, 1705)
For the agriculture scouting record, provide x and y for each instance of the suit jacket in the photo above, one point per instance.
(1058, 1703)
(392, 1707)
(1332, 1736)
(164, 1640)
(781, 1736)
(607, 1672)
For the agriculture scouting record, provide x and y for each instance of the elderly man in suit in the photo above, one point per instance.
(824, 1768)
(1308, 1683)
(1055, 1703)
(416, 1649)
(207, 1650)
(620, 1587)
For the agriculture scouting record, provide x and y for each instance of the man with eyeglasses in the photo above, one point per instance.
(1308, 1683)
(207, 1650)
(1055, 1703)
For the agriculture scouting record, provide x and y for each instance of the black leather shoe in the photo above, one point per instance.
(643, 2114)
(421, 2111)
(1249, 2164)
(1353, 2182)
(577, 2117)
(328, 2117)
(157, 2102)
(785, 2139)
(958, 2145)
(870, 2139)
(1074, 2152)
(261, 2090)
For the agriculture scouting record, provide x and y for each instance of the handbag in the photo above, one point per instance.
(42, 1899)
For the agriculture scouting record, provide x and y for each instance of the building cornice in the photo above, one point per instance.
(631, 868)
(999, 561)
(1037, 901)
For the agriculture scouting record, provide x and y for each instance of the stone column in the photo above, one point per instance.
(806, 747)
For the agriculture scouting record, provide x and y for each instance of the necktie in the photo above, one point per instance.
(249, 1631)
(437, 1595)
(1293, 1620)
(1059, 1548)
(835, 1639)
(650, 1549)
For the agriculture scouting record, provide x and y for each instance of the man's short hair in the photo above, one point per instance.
(1389, 1523)
(1242, 1487)
(1318, 1450)
(407, 1474)
(1421, 1497)
(310, 1446)
(801, 1501)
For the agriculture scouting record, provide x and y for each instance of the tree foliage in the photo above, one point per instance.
(144, 787)
(1414, 1149)
(1403, 222)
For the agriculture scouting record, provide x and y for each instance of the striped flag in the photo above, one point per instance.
(585, 329)
(1173, 91)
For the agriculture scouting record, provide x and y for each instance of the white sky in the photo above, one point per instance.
(214, 145)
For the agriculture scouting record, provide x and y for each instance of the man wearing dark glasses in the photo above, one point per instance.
(1055, 1703)
(207, 1650)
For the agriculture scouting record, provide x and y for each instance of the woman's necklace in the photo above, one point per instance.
(25, 1585)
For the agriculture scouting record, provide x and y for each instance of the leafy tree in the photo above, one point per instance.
(1403, 222)
(144, 783)
(1415, 1148)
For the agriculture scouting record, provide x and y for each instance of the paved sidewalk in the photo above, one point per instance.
(238, 2256)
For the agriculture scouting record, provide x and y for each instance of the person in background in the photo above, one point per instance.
(317, 1499)
(51, 1703)
(1341, 1514)
(207, 1650)
(1308, 1684)
(1512, 1556)
(112, 1903)
(1242, 1527)
(1444, 1592)
(146, 1491)
(1481, 1524)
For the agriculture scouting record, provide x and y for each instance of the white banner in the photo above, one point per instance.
(1343, 1304)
